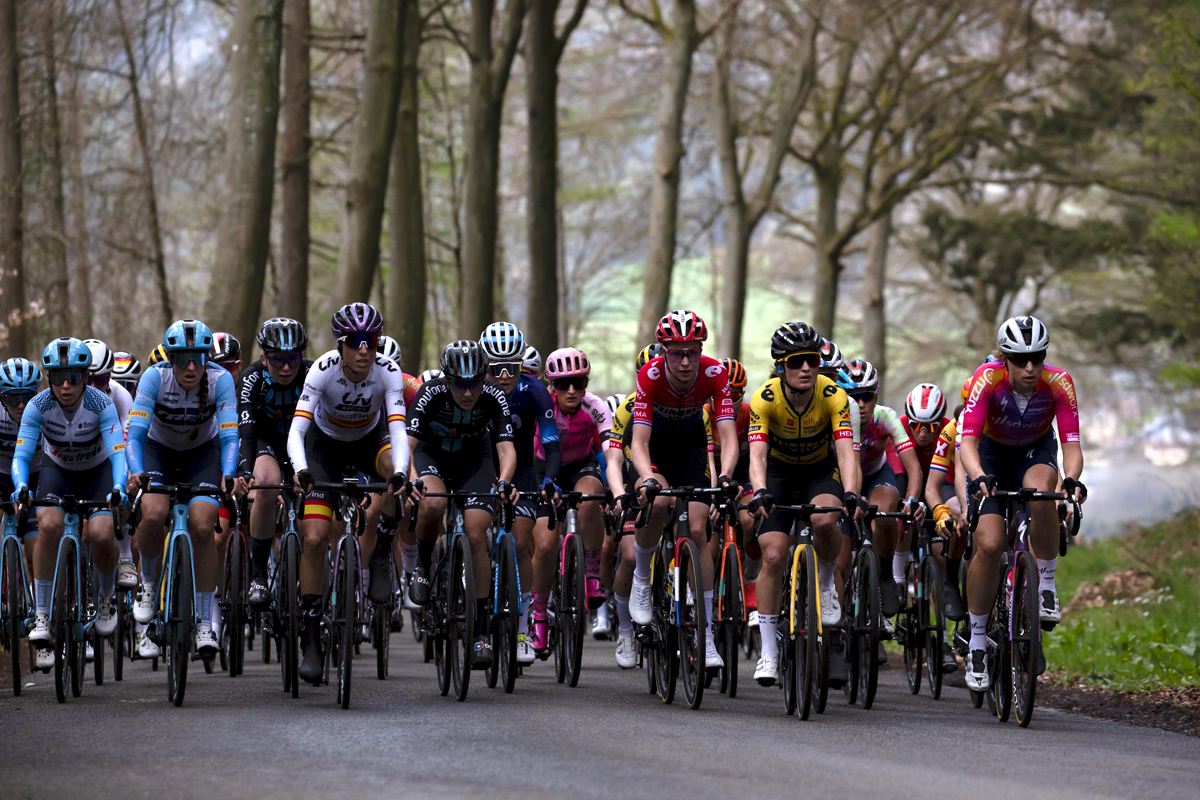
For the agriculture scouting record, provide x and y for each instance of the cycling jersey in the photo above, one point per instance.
(438, 421)
(265, 411)
(347, 410)
(944, 449)
(8, 443)
(173, 417)
(996, 411)
(805, 436)
(883, 428)
(76, 440)
(742, 419)
(620, 435)
(924, 454)
(122, 401)
(535, 430)
(411, 385)
(583, 433)
(660, 405)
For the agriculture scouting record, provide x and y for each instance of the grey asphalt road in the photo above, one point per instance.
(606, 738)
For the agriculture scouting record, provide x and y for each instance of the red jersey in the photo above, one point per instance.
(411, 385)
(742, 418)
(657, 403)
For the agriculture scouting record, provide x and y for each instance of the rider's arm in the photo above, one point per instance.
(1072, 459)
(227, 424)
(758, 463)
(727, 430)
(849, 465)
(1067, 420)
(547, 429)
(251, 380)
(912, 467)
(968, 454)
(393, 407)
(113, 437)
(614, 460)
(640, 451)
(508, 460)
(139, 419)
(933, 487)
(306, 406)
(28, 437)
(960, 482)
(643, 418)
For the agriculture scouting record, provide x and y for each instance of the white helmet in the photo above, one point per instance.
(532, 361)
(613, 401)
(925, 404)
(430, 375)
(502, 341)
(1023, 335)
(389, 348)
(102, 357)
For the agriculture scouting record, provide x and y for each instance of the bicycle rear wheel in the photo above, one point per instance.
(1000, 692)
(1026, 637)
(933, 619)
(14, 608)
(504, 639)
(180, 620)
(381, 630)
(910, 627)
(868, 624)
(237, 579)
(346, 616)
(460, 616)
(692, 622)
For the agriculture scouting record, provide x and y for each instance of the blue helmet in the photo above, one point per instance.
(19, 374)
(188, 334)
(67, 353)
(858, 375)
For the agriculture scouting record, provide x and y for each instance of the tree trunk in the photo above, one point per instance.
(874, 325)
(157, 257)
(737, 240)
(297, 148)
(371, 152)
(681, 43)
(58, 293)
(541, 93)
(406, 207)
(244, 240)
(80, 260)
(828, 177)
(13, 334)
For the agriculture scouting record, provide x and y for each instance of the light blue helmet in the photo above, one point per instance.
(67, 353)
(188, 334)
(503, 341)
(19, 375)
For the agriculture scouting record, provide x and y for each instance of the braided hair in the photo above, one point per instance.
(203, 398)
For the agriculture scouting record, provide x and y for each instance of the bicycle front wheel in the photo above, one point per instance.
(1026, 637)
(804, 643)
(287, 600)
(63, 615)
(664, 632)
(14, 608)
(381, 630)
(785, 638)
(236, 580)
(933, 618)
(868, 625)
(692, 622)
(509, 617)
(1000, 693)
(573, 607)
(910, 628)
(730, 619)
(180, 620)
(346, 616)
(460, 616)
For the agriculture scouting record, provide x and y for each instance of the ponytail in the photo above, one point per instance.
(203, 402)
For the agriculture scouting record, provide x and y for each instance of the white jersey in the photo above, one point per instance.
(74, 440)
(173, 415)
(347, 410)
(122, 400)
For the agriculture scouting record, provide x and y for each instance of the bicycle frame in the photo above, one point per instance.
(71, 537)
(11, 525)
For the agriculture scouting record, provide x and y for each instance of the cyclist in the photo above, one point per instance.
(267, 398)
(157, 356)
(82, 442)
(126, 371)
(741, 474)
(227, 351)
(669, 447)
(531, 362)
(1008, 442)
(582, 421)
(355, 397)
(389, 348)
(535, 435)
(946, 490)
(452, 421)
(613, 401)
(183, 429)
(19, 381)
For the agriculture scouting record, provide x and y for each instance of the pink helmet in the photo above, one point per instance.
(567, 362)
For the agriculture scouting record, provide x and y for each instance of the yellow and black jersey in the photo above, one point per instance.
(620, 435)
(802, 436)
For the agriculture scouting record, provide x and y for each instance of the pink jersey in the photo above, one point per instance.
(582, 433)
(992, 409)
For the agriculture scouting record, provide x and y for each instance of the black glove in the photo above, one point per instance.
(762, 499)
(306, 480)
(974, 487)
(1070, 485)
(503, 488)
(850, 503)
(729, 485)
(397, 481)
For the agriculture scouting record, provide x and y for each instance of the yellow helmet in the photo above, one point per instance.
(159, 354)
(651, 351)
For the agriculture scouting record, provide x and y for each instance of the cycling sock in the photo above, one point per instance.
(383, 540)
(624, 621)
(708, 602)
(104, 583)
(41, 593)
(978, 632)
(526, 604)
(641, 569)
(125, 547)
(204, 607)
(899, 565)
(149, 571)
(592, 559)
(539, 604)
(1046, 575)
(481, 623)
(409, 554)
(767, 625)
(425, 554)
(826, 574)
(310, 604)
(260, 558)
(952, 565)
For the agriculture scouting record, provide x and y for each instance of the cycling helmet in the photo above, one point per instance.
(188, 334)
(66, 353)
(858, 376)
(737, 374)
(831, 356)
(925, 404)
(157, 355)
(613, 401)
(356, 318)
(966, 387)
(464, 360)
(126, 367)
(649, 353)
(389, 348)
(19, 375)
(502, 341)
(794, 337)
(226, 347)
(680, 327)
(430, 375)
(532, 361)
(282, 334)
(567, 362)
(1023, 335)
(102, 357)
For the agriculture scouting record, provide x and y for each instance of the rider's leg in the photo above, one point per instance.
(768, 586)
(1043, 529)
(45, 556)
(476, 522)
(202, 519)
(524, 539)
(262, 516)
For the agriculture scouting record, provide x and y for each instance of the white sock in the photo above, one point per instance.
(526, 607)
(125, 548)
(826, 571)
(105, 581)
(41, 594)
(408, 556)
(899, 564)
(708, 601)
(205, 603)
(624, 621)
(1046, 575)
(978, 632)
(645, 555)
(767, 623)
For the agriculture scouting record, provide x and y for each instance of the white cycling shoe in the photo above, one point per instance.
(39, 635)
(525, 654)
(977, 674)
(767, 671)
(44, 660)
(143, 604)
(146, 647)
(106, 617)
(626, 651)
(712, 659)
(831, 609)
(206, 641)
(752, 619)
(127, 575)
(639, 601)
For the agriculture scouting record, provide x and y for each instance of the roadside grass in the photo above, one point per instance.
(1143, 639)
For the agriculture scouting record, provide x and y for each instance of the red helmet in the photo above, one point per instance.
(680, 327)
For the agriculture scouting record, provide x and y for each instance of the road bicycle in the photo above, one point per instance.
(568, 603)
(921, 625)
(281, 621)
(16, 602)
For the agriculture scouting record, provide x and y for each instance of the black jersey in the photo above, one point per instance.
(265, 410)
(438, 421)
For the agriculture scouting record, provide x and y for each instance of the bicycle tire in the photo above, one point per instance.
(381, 630)
(119, 637)
(235, 592)
(911, 625)
(821, 646)
(664, 633)
(98, 644)
(575, 591)
(289, 593)
(505, 644)
(1000, 691)
(692, 623)
(1026, 639)
(61, 622)
(15, 610)
(805, 640)
(460, 617)
(784, 640)
(933, 618)
(850, 634)
(346, 618)
(869, 635)
(730, 618)
(181, 619)
(438, 625)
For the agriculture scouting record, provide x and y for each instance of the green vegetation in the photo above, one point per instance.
(1142, 630)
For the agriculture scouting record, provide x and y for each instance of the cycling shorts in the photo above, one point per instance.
(29, 526)
(93, 485)
(461, 471)
(946, 491)
(681, 456)
(1009, 465)
(884, 476)
(330, 460)
(794, 485)
(528, 480)
(199, 467)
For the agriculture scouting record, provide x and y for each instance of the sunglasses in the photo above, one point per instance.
(284, 359)
(1022, 360)
(356, 341)
(99, 381)
(862, 397)
(18, 397)
(504, 369)
(679, 354)
(578, 382)
(466, 386)
(799, 360)
(182, 358)
(74, 377)
(736, 395)
(927, 426)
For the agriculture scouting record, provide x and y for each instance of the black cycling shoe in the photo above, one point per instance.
(482, 658)
(418, 587)
(880, 654)
(312, 668)
(949, 662)
(837, 669)
(380, 589)
(952, 602)
(259, 597)
(889, 597)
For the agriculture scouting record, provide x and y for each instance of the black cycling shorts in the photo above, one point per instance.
(795, 485)
(528, 480)
(682, 457)
(92, 485)
(461, 471)
(884, 476)
(331, 460)
(199, 468)
(1009, 465)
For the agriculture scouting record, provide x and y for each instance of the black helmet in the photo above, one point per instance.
(282, 334)
(794, 337)
(226, 347)
(464, 360)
